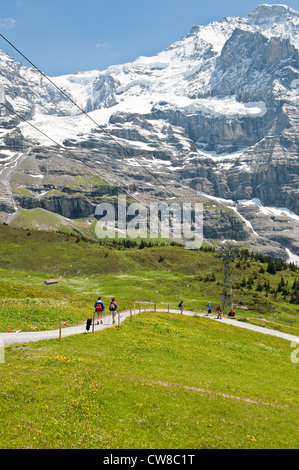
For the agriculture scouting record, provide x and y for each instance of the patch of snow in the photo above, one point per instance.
(142, 145)
(278, 211)
(292, 258)
(228, 107)
(217, 199)
(222, 157)
(5, 159)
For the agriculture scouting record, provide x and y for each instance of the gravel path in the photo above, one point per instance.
(29, 336)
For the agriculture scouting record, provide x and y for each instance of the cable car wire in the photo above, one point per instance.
(69, 152)
(86, 114)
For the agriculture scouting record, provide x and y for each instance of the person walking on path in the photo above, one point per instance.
(218, 310)
(181, 306)
(113, 309)
(99, 308)
(209, 307)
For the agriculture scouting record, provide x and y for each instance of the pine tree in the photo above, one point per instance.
(259, 287)
(271, 267)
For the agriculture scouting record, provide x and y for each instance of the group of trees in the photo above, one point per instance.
(292, 291)
(289, 291)
(273, 265)
(131, 243)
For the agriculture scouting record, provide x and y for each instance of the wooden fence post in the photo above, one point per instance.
(59, 328)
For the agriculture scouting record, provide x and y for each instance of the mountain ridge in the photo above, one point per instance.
(214, 115)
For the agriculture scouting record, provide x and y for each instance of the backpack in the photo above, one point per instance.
(99, 307)
(112, 306)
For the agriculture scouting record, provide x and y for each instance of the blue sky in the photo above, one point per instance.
(67, 36)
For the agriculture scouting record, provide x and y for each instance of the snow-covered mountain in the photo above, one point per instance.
(215, 115)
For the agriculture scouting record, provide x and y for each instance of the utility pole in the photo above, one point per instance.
(227, 253)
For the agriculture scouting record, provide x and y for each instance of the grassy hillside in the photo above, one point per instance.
(161, 274)
(160, 381)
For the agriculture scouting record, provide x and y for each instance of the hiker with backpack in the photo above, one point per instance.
(99, 308)
(209, 307)
(218, 310)
(181, 306)
(113, 309)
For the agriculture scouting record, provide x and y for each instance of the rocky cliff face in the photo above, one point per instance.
(212, 118)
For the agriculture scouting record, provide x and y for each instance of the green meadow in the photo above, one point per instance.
(161, 380)
(158, 381)
(161, 274)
